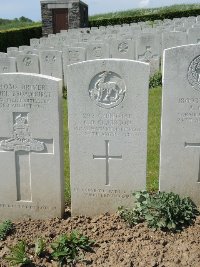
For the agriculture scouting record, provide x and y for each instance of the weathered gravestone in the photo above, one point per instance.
(7, 64)
(28, 63)
(180, 135)
(51, 63)
(72, 55)
(107, 103)
(97, 51)
(31, 180)
(3, 55)
(194, 35)
(148, 50)
(124, 49)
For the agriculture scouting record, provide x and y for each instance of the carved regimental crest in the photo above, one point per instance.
(21, 139)
(194, 73)
(107, 89)
(123, 47)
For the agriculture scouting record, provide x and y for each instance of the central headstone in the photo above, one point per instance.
(31, 180)
(108, 105)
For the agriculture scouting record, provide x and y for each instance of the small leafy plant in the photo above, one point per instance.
(155, 80)
(69, 249)
(165, 211)
(40, 247)
(5, 228)
(18, 254)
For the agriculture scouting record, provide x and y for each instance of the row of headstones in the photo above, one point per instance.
(176, 23)
(48, 61)
(107, 112)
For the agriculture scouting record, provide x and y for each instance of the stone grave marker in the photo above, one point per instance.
(173, 39)
(180, 134)
(9, 49)
(35, 43)
(24, 47)
(72, 55)
(97, 51)
(14, 53)
(194, 35)
(107, 103)
(31, 51)
(31, 152)
(28, 63)
(124, 49)
(2, 54)
(7, 64)
(148, 50)
(51, 63)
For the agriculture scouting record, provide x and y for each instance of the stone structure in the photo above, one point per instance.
(63, 15)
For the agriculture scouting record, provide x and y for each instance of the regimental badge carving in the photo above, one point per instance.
(123, 47)
(5, 69)
(194, 73)
(27, 61)
(50, 59)
(22, 140)
(107, 89)
(97, 52)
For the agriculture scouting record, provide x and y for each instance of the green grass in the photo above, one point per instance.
(153, 147)
(18, 25)
(144, 11)
(66, 153)
(153, 143)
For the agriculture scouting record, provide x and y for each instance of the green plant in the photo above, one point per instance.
(5, 228)
(68, 249)
(40, 246)
(64, 91)
(18, 254)
(155, 80)
(165, 211)
(17, 37)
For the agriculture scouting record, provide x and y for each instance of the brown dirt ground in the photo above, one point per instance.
(117, 245)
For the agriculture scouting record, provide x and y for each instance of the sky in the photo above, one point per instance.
(11, 9)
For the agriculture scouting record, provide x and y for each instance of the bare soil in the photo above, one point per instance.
(117, 245)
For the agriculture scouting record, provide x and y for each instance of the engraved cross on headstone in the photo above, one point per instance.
(22, 144)
(148, 55)
(107, 157)
(198, 146)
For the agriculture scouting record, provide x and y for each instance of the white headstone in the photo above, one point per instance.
(180, 134)
(148, 50)
(51, 63)
(28, 63)
(124, 49)
(35, 43)
(173, 39)
(97, 51)
(23, 47)
(3, 54)
(194, 35)
(72, 55)
(7, 64)
(107, 101)
(31, 152)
